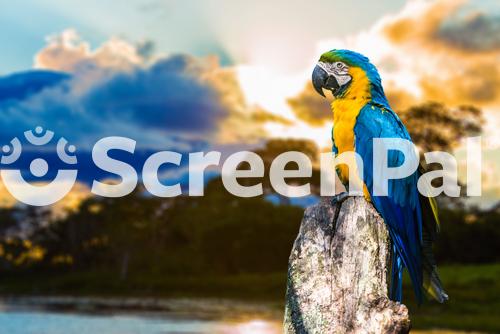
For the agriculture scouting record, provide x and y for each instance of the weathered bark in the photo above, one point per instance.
(337, 274)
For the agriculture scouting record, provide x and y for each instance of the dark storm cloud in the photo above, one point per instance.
(165, 96)
(478, 32)
(167, 103)
(22, 85)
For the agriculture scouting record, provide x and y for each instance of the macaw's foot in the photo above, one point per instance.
(339, 198)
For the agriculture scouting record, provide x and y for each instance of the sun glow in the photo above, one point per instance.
(270, 90)
(257, 327)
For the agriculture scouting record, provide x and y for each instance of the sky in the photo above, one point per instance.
(224, 74)
(236, 31)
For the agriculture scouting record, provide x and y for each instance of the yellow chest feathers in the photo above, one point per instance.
(346, 109)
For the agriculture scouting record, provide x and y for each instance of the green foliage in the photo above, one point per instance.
(473, 304)
(214, 234)
(468, 236)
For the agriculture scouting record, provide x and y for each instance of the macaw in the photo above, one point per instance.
(361, 113)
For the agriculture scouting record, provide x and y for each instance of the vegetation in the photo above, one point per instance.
(224, 246)
(473, 304)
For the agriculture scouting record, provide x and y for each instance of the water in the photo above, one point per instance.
(38, 322)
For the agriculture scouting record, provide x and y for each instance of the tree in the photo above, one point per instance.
(435, 127)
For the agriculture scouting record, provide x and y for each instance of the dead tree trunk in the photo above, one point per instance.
(337, 273)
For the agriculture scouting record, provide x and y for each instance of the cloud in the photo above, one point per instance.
(450, 52)
(168, 96)
(418, 22)
(441, 51)
(22, 85)
(67, 52)
(415, 64)
(475, 32)
(245, 123)
(310, 107)
(6, 199)
(69, 203)
(174, 101)
(262, 116)
(153, 106)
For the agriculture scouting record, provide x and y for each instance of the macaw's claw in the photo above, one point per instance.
(339, 198)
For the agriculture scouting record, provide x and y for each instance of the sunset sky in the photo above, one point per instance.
(225, 74)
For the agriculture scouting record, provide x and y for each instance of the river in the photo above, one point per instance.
(37, 322)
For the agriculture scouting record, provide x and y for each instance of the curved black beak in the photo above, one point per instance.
(321, 79)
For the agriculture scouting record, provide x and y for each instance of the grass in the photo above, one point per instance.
(473, 291)
(474, 303)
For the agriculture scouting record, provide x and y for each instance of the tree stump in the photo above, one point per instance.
(337, 273)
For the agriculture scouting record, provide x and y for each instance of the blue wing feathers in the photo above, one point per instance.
(400, 209)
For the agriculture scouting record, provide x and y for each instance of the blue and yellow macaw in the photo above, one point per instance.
(361, 113)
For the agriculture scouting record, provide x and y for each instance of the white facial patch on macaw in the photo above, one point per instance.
(338, 69)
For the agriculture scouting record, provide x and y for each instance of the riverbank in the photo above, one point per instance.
(206, 308)
(473, 289)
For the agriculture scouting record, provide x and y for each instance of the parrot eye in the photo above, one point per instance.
(340, 67)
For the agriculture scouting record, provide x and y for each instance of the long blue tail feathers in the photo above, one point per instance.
(396, 291)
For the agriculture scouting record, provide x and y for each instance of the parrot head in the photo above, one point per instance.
(345, 72)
